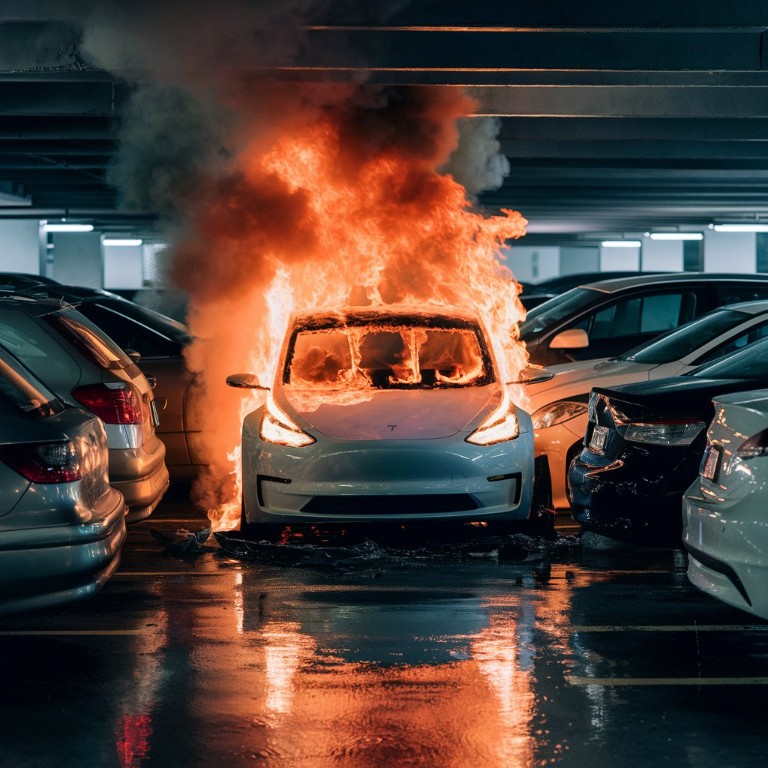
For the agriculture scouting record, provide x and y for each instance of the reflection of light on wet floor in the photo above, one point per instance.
(284, 651)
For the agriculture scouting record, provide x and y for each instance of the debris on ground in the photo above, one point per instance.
(183, 543)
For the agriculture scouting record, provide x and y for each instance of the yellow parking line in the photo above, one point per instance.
(71, 632)
(674, 628)
(682, 681)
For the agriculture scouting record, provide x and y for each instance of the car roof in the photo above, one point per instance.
(626, 283)
(32, 305)
(358, 315)
(748, 307)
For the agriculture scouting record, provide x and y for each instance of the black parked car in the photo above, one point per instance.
(609, 317)
(644, 444)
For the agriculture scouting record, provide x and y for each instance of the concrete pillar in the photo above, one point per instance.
(532, 265)
(19, 246)
(123, 267)
(77, 258)
(730, 252)
(619, 259)
(577, 259)
(661, 255)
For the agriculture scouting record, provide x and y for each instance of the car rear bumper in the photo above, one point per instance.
(366, 481)
(725, 536)
(46, 566)
(630, 499)
(142, 477)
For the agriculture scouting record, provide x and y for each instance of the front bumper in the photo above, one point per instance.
(46, 566)
(367, 481)
(556, 443)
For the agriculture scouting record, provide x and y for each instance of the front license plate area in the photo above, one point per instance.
(597, 441)
(711, 464)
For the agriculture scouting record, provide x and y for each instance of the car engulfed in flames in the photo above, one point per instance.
(385, 414)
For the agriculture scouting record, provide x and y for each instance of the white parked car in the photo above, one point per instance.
(724, 510)
(382, 414)
(558, 406)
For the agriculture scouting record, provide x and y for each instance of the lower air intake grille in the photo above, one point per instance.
(390, 505)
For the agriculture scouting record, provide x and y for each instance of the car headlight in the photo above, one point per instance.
(277, 427)
(500, 426)
(557, 413)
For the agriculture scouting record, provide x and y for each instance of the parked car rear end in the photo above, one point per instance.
(62, 525)
(85, 368)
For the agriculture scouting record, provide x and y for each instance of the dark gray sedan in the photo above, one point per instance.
(62, 525)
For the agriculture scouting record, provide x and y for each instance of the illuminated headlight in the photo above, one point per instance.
(277, 427)
(500, 426)
(668, 433)
(557, 413)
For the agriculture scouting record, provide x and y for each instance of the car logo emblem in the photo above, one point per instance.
(392, 427)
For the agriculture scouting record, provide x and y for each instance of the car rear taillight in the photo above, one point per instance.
(44, 462)
(670, 432)
(757, 445)
(112, 403)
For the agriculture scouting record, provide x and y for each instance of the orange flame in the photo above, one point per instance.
(345, 208)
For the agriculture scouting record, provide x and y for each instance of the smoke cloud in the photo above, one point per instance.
(283, 196)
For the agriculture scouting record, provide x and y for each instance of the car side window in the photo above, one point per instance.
(755, 333)
(640, 315)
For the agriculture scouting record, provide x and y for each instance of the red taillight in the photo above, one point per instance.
(113, 404)
(44, 462)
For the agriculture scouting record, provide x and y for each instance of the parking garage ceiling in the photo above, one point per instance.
(615, 118)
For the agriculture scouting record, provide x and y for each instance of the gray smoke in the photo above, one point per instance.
(477, 163)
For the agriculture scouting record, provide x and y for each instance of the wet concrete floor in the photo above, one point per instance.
(563, 656)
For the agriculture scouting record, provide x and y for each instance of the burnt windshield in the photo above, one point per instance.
(387, 356)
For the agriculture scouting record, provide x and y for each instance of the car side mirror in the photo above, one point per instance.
(245, 381)
(573, 338)
(532, 374)
(133, 355)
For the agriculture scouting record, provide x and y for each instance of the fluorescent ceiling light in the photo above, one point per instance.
(740, 227)
(63, 227)
(621, 243)
(122, 241)
(677, 236)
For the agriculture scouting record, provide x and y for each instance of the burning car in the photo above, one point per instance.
(383, 414)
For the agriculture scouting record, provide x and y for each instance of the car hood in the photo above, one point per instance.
(401, 414)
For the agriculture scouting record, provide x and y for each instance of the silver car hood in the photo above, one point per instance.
(397, 414)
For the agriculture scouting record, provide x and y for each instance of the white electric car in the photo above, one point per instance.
(385, 414)
(724, 510)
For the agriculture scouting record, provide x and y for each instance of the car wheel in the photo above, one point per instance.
(259, 531)
(541, 524)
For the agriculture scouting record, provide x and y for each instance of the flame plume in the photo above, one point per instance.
(342, 207)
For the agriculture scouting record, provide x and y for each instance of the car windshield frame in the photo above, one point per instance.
(355, 325)
(749, 363)
(540, 319)
(686, 339)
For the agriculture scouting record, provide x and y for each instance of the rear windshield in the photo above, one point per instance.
(686, 339)
(749, 363)
(20, 387)
(387, 357)
(89, 340)
(543, 317)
